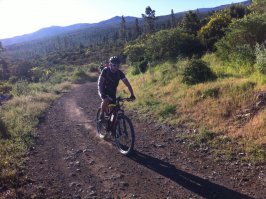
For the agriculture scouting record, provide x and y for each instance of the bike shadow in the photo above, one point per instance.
(198, 185)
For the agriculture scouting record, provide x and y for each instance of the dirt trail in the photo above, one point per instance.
(70, 161)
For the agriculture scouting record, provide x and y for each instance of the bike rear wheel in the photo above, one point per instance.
(124, 135)
(101, 125)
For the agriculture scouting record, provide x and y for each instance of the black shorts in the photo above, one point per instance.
(113, 101)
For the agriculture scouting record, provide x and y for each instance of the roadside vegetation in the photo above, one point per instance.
(20, 115)
(209, 78)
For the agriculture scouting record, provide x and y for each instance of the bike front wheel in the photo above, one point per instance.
(124, 135)
(101, 125)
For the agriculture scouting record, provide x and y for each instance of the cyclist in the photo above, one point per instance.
(108, 82)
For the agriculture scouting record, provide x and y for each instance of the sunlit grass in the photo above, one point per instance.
(211, 105)
(19, 117)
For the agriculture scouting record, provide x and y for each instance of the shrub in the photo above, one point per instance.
(169, 44)
(135, 70)
(143, 66)
(93, 67)
(197, 71)
(238, 45)
(80, 77)
(260, 52)
(3, 130)
(139, 67)
(163, 45)
(5, 88)
(214, 29)
(135, 52)
(13, 79)
(21, 88)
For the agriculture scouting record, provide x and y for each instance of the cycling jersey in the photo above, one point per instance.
(110, 82)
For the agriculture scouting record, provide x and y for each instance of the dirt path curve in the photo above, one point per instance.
(70, 161)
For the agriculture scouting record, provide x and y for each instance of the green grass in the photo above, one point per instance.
(19, 116)
(210, 105)
(167, 110)
(255, 153)
(204, 136)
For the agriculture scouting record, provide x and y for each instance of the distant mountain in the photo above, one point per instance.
(205, 10)
(58, 30)
(94, 27)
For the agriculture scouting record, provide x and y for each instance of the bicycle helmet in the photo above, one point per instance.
(114, 60)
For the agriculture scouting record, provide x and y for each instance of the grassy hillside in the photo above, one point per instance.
(214, 83)
(228, 114)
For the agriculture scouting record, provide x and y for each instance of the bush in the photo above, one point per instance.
(260, 52)
(134, 70)
(80, 77)
(21, 88)
(143, 66)
(197, 71)
(238, 45)
(3, 130)
(139, 67)
(163, 45)
(214, 29)
(169, 44)
(93, 67)
(13, 79)
(5, 87)
(135, 52)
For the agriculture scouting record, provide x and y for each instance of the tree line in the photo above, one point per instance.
(142, 41)
(235, 34)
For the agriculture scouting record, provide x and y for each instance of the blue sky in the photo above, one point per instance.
(18, 17)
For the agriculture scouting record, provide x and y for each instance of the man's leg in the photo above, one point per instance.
(104, 107)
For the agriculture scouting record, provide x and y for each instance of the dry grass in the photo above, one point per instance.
(19, 117)
(212, 105)
(254, 130)
(64, 86)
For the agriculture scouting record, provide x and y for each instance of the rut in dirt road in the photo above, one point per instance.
(71, 161)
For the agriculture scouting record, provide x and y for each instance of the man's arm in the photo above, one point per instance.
(126, 82)
(101, 86)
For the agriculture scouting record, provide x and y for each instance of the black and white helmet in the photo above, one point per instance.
(114, 60)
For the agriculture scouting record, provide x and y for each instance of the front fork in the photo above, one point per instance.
(114, 121)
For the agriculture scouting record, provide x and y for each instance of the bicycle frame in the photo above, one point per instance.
(114, 111)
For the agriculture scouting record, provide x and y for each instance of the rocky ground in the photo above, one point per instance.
(71, 161)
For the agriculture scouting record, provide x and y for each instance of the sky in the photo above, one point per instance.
(18, 17)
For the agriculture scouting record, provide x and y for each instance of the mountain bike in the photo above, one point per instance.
(118, 125)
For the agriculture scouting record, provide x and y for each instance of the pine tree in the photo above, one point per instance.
(3, 64)
(137, 31)
(123, 29)
(173, 19)
(191, 23)
(149, 20)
